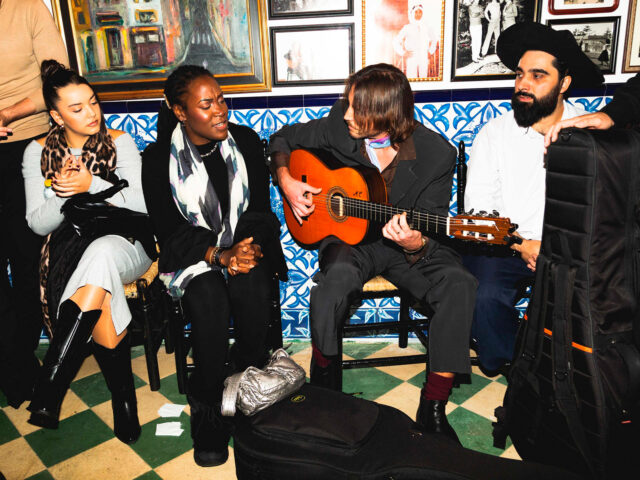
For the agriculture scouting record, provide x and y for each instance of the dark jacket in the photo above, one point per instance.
(624, 109)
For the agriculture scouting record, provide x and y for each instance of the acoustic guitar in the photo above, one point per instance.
(352, 206)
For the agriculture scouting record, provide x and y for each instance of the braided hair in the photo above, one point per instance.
(175, 88)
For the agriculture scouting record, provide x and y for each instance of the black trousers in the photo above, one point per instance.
(209, 302)
(20, 309)
(438, 279)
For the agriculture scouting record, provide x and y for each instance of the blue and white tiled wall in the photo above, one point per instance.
(454, 118)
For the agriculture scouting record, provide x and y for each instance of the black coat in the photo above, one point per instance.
(624, 109)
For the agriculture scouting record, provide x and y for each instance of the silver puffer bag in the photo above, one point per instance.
(254, 389)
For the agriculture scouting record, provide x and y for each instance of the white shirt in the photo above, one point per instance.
(506, 172)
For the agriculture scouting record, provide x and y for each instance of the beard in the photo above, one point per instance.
(529, 113)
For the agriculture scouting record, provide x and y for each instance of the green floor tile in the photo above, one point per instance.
(418, 380)
(169, 388)
(42, 350)
(3, 400)
(467, 390)
(151, 475)
(75, 434)
(362, 350)
(93, 389)
(475, 431)
(502, 379)
(7, 431)
(159, 450)
(371, 382)
(137, 351)
(43, 475)
(295, 346)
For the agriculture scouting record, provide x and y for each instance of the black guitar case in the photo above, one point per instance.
(320, 434)
(574, 386)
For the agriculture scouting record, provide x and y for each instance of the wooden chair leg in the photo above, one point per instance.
(177, 331)
(403, 330)
(149, 350)
(274, 334)
(169, 334)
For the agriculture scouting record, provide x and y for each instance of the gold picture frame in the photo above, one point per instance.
(128, 49)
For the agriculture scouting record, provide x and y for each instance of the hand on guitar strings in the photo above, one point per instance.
(398, 230)
(298, 194)
(242, 257)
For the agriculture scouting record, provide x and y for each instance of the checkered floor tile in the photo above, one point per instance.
(84, 446)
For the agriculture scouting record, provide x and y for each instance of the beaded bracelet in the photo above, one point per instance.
(212, 254)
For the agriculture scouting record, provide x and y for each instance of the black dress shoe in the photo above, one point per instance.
(431, 417)
(210, 433)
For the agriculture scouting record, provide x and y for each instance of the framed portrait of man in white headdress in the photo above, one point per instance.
(477, 27)
(408, 34)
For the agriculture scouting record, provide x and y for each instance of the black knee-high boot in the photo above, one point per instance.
(116, 367)
(209, 430)
(61, 363)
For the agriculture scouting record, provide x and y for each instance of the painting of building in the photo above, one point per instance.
(140, 38)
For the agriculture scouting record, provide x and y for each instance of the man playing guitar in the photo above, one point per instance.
(373, 127)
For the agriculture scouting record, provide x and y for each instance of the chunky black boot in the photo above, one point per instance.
(329, 376)
(432, 418)
(210, 433)
(66, 353)
(116, 367)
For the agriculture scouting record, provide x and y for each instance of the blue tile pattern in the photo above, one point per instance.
(456, 121)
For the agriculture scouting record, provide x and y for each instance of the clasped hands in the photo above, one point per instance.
(241, 257)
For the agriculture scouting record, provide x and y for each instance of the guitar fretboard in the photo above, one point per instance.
(379, 213)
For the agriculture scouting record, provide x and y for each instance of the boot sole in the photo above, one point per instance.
(210, 459)
(44, 420)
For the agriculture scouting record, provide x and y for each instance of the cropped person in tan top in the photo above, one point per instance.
(29, 35)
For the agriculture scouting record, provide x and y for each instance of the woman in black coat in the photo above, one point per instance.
(206, 186)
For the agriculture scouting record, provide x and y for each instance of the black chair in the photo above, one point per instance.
(181, 332)
(150, 324)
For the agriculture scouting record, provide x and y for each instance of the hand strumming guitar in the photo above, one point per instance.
(297, 193)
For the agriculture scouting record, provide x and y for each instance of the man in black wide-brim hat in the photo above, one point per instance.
(506, 172)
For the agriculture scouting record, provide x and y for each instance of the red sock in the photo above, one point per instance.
(320, 359)
(437, 387)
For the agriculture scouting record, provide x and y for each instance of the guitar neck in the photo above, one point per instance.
(380, 213)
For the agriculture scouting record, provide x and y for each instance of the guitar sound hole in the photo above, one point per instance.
(337, 207)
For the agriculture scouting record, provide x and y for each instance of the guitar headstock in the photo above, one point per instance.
(483, 228)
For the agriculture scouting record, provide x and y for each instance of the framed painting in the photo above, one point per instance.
(312, 55)
(597, 37)
(571, 7)
(632, 45)
(476, 28)
(309, 8)
(127, 48)
(406, 33)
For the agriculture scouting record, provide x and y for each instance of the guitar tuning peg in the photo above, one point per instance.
(482, 213)
(470, 212)
(495, 213)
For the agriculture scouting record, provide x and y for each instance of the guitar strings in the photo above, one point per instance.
(372, 208)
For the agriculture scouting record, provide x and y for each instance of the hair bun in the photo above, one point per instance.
(49, 68)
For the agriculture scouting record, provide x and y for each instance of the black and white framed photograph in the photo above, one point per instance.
(597, 38)
(477, 26)
(309, 8)
(312, 55)
(572, 7)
